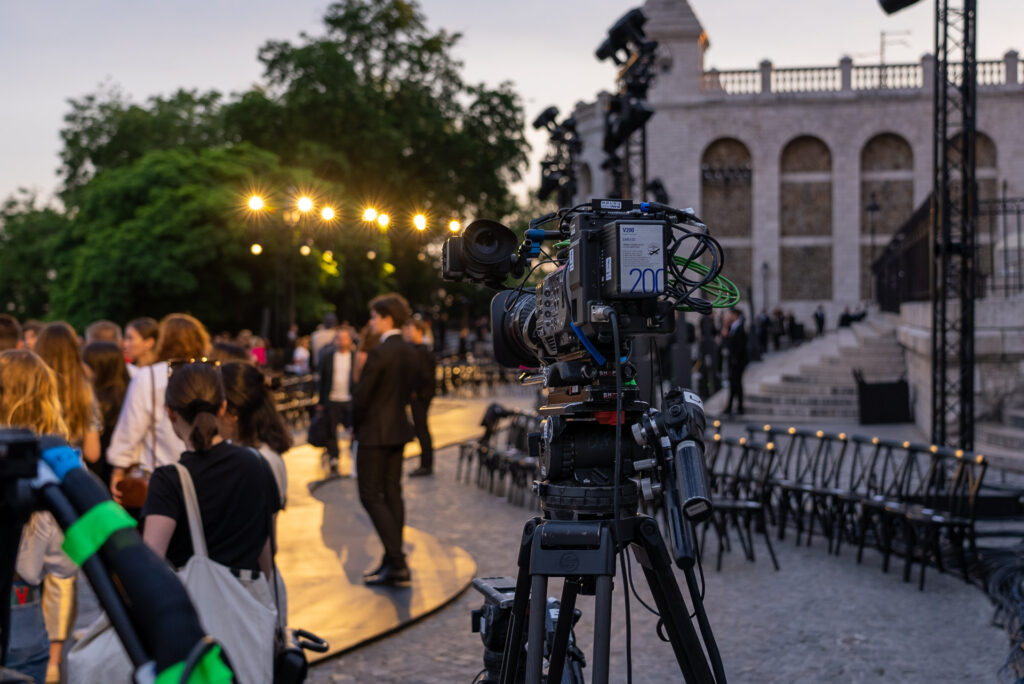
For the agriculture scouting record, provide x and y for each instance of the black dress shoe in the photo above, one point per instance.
(389, 576)
(421, 472)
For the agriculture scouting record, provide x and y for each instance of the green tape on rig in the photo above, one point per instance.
(209, 670)
(92, 530)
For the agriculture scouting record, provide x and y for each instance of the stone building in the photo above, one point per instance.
(781, 162)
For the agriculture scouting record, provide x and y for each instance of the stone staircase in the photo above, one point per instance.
(1005, 439)
(815, 380)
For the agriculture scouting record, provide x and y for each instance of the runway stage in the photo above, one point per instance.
(326, 542)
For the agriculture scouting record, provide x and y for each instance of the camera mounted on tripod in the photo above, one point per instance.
(616, 271)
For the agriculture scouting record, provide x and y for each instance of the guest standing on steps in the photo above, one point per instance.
(735, 342)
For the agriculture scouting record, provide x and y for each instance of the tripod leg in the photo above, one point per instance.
(649, 550)
(562, 630)
(602, 628)
(514, 640)
(535, 639)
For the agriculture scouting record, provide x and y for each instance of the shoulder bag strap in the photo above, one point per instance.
(153, 417)
(195, 520)
(273, 558)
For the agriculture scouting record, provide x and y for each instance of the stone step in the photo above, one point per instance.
(801, 413)
(1014, 417)
(812, 379)
(807, 388)
(882, 353)
(999, 435)
(842, 401)
(844, 376)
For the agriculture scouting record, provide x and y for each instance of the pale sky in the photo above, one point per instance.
(51, 51)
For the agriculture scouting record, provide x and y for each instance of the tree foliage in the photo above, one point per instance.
(30, 245)
(166, 234)
(372, 112)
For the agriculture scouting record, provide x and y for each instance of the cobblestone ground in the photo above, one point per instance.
(820, 619)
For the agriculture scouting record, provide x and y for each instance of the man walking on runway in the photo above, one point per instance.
(423, 392)
(382, 430)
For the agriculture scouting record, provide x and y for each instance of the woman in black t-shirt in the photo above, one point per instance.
(236, 490)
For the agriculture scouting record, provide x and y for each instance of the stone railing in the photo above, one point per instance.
(1008, 71)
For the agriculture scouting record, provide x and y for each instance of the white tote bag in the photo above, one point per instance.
(239, 614)
(241, 617)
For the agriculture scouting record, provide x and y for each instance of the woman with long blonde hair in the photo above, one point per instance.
(57, 345)
(28, 399)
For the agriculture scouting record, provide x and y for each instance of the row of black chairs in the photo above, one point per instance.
(499, 461)
(915, 498)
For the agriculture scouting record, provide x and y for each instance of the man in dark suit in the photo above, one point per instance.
(735, 342)
(382, 430)
(336, 362)
(423, 391)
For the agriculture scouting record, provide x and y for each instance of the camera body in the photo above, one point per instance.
(616, 261)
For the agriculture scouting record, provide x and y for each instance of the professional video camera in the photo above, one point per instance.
(619, 273)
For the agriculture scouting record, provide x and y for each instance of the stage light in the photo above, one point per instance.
(304, 204)
(256, 248)
(327, 214)
(454, 226)
(383, 220)
(629, 114)
(546, 119)
(630, 28)
(370, 214)
(304, 250)
(420, 221)
(256, 203)
(893, 6)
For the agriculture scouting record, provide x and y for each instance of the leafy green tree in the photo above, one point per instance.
(373, 112)
(104, 130)
(31, 244)
(167, 234)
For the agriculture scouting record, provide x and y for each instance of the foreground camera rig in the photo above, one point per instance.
(617, 273)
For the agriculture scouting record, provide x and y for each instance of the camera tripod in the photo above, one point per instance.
(584, 552)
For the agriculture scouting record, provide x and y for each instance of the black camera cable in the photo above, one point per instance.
(616, 495)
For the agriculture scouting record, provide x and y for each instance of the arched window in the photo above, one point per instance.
(886, 182)
(805, 220)
(727, 203)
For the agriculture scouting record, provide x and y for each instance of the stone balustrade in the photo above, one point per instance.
(767, 79)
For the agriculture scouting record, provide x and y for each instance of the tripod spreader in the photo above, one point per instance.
(583, 552)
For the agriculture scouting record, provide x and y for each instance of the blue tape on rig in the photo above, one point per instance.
(62, 460)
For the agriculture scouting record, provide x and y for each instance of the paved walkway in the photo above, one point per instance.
(820, 619)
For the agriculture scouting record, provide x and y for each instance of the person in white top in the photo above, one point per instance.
(143, 433)
(336, 364)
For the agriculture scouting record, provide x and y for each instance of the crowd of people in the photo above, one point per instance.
(144, 402)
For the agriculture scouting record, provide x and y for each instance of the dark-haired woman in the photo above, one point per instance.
(105, 366)
(235, 490)
(140, 336)
(235, 487)
(252, 419)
